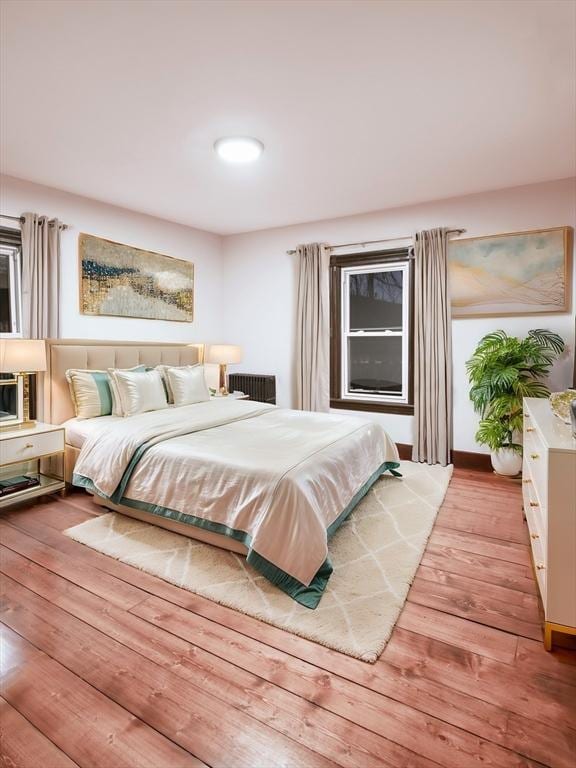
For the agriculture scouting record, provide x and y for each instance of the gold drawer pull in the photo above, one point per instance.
(29, 445)
(534, 456)
(534, 536)
(534, 504)
(529, 429)
(540, 567)
(527, 481)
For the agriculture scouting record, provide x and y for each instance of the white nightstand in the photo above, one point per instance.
(231, 396)
(20, 454)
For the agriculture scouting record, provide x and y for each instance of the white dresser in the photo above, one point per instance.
(549, 492)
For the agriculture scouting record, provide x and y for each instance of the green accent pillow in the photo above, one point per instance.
(91, 392)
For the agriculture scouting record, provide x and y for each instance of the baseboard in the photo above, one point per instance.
(460, 459)
(405, 451)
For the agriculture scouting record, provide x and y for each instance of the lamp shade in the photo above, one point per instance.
(224, 354)
(22, 355)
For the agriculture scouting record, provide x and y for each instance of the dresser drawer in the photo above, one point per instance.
(536, 460)
(540, 567)
(535, 515)
(24, 447)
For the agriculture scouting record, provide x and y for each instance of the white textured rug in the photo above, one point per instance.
(375, 555)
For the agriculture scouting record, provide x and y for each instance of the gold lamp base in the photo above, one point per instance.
(222, 388)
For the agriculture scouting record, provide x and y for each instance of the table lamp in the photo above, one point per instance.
(22, 357)
(224, 354)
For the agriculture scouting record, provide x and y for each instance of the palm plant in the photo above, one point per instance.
(503, 370)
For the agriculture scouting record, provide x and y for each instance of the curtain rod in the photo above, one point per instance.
(21, 219)
(385, 240)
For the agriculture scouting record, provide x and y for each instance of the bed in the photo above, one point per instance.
(269, 483)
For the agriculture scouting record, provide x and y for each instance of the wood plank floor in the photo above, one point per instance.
(104, 666)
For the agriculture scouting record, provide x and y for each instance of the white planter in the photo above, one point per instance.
(506, 462)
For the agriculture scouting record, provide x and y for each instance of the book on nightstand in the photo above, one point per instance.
(13, 484)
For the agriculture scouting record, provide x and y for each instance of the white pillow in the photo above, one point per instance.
(116, 404)
(163, 368)
(139, 391)
(187, 384)
(93, 392)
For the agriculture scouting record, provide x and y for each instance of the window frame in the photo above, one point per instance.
(357, 262)
(14, 253)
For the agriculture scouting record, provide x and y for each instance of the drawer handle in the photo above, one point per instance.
(540, 567)
(534, 536)
(534, 504)
(534, 456)
(529, 429)
(29, 445)
(527, 481)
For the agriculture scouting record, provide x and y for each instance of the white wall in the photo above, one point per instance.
(245, 289)
(260, 285)
(85, 215)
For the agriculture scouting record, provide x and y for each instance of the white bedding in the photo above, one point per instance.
(273, 478)
(79, 430)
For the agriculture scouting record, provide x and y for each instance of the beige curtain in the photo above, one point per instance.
(313, 328)
(432, 349)
(40, 276)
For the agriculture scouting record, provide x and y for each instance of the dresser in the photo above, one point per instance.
(29, 453)
(549, 498)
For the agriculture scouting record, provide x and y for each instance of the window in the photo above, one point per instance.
(371, 345)
(10, 283)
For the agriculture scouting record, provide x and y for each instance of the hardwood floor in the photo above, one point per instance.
(104, 666)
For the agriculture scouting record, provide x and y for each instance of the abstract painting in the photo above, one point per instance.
(121, 280)
(521, 273)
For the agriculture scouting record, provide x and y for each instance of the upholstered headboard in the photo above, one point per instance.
(56, 403)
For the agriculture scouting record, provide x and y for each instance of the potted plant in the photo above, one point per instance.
(502, 371)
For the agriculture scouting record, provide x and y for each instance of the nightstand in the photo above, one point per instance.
(231, 396)
(20, 454)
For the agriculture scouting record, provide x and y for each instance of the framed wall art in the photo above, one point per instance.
(520, 273)
(125, 281)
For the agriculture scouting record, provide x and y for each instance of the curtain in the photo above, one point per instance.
(432, 349)
(40, 276)
(313, 329)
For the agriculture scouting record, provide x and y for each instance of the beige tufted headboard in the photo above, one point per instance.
(56, 403)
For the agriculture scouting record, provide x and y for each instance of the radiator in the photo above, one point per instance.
(260, 387)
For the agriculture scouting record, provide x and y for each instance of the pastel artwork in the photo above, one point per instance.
(509, 274)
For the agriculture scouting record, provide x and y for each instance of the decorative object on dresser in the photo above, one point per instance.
(503, 370)
(223, 355)
(21, 357)
(560, 403)
(259, 387)
(549, 494)
(520, 273)
(124, 281)
(21, 452)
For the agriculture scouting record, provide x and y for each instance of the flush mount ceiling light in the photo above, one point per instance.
(239, 149)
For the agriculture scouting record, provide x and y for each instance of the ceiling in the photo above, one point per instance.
(361, 105)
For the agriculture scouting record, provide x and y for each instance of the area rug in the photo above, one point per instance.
(375, 554)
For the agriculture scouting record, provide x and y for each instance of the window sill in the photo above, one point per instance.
(405, 409)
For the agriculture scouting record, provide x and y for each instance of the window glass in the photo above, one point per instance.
(375, 365)
(10, 289)
(376, 300)
(374, 333)
(5, 298)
